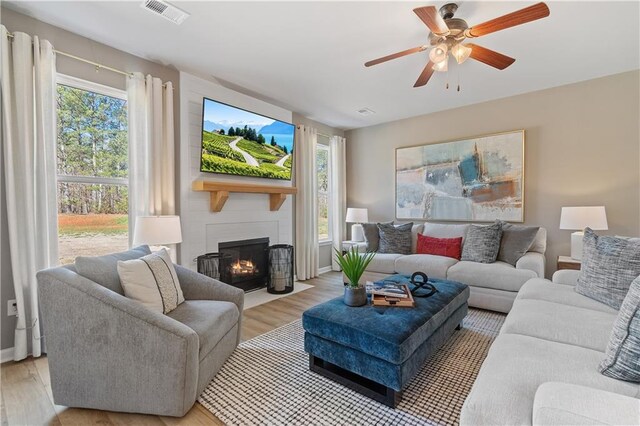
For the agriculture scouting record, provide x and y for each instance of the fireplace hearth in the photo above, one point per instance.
(246, 263)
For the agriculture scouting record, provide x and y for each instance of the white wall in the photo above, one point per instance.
(244, 216)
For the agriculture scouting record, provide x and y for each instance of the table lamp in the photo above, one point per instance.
(157, 230)
(357, 216)
(579, 218)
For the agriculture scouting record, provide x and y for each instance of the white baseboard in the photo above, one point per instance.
(324, 270)
(6, 355)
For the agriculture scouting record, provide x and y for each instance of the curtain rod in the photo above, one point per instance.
(319, 134)
(87, 61)
(95, 64)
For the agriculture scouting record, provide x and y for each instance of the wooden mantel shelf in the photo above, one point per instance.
(220, 192)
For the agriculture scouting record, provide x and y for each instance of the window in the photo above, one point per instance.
(92, 161)
(324, 176)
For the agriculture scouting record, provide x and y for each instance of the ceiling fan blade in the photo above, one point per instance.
(432, 19)
(519, 17)
(489, 57)
(395, 56)
(426, 74)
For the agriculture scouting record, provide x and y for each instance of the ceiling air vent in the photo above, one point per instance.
(366, 111)
(166, 10)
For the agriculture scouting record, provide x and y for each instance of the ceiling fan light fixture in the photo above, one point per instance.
(460, 52)
(442, 66)
(438, 53)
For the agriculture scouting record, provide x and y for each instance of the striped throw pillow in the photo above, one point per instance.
(622, 360)
(152, 281)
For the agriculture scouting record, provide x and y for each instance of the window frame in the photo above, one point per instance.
(101, 89)
(329, 239)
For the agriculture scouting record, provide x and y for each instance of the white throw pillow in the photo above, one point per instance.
(152, 281)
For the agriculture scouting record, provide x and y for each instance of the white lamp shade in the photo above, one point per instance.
(357, 215)
(579, 218)
(157, 230)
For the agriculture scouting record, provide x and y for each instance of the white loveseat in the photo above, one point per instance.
(542, 368)
(493, 286)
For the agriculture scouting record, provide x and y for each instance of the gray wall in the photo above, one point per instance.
(89, 49)
(325, 250)
(582, 148)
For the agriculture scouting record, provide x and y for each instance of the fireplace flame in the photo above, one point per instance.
(243, 267)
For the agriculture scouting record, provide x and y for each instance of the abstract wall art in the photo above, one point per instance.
(477, 179)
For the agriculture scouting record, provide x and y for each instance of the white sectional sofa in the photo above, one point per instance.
(493, 286)
(542, 368)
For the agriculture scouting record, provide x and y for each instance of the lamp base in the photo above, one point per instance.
(576, 245)
(357, 232)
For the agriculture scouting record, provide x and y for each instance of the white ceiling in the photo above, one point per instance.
(308, 56)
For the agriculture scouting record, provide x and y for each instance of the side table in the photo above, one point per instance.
(567, 262)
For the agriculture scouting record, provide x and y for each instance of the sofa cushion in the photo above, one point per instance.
(433, 266)
(443, 230)
(372, 235)
(395, 238)
(504, 391)
(384, 263)
(210, 319)
(541, 289)
(497, 275)
(559, 404)
(449, 247)
(482, 243)
(540, 242)
(152, 281)
(622, 359)
(609, 265)
(104, 269)
(416, 230)
(563, 324)
(516, 241)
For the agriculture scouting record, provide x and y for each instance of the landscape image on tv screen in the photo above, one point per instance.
(239, 142)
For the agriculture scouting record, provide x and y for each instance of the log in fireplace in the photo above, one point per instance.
(246, 263)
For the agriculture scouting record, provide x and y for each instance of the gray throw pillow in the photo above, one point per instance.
(516, 241)
(395, 239)
(104, 269)
(482, 243)
(622, 356)
(609, 265)
(372, 235)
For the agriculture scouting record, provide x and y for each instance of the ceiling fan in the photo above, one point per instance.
(448, 33)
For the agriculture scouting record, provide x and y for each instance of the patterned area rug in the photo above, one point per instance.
(267, 381)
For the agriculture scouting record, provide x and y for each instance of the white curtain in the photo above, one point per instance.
(28, 82)
(337, 148)
(151, 148)
(307, 252)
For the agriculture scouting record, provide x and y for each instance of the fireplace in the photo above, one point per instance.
(246, 263)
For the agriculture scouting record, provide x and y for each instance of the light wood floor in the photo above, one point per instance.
(26, 389)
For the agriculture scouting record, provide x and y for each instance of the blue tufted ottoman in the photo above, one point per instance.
(378, 350)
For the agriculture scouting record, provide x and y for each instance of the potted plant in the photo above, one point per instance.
(353, 265)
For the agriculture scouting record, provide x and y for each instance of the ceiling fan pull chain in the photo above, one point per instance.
(458, 69)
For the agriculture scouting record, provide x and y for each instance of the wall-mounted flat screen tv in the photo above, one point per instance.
(239, 142)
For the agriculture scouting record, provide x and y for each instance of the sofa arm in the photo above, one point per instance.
(532, 261)
(196, 286)
(558, 403)
(566, 276)
(109, 352)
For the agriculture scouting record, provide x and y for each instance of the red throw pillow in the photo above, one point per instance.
(449, 247)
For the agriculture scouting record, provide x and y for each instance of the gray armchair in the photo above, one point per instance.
(111, 353)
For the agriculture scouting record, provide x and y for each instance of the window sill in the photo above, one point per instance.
(322, 243)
